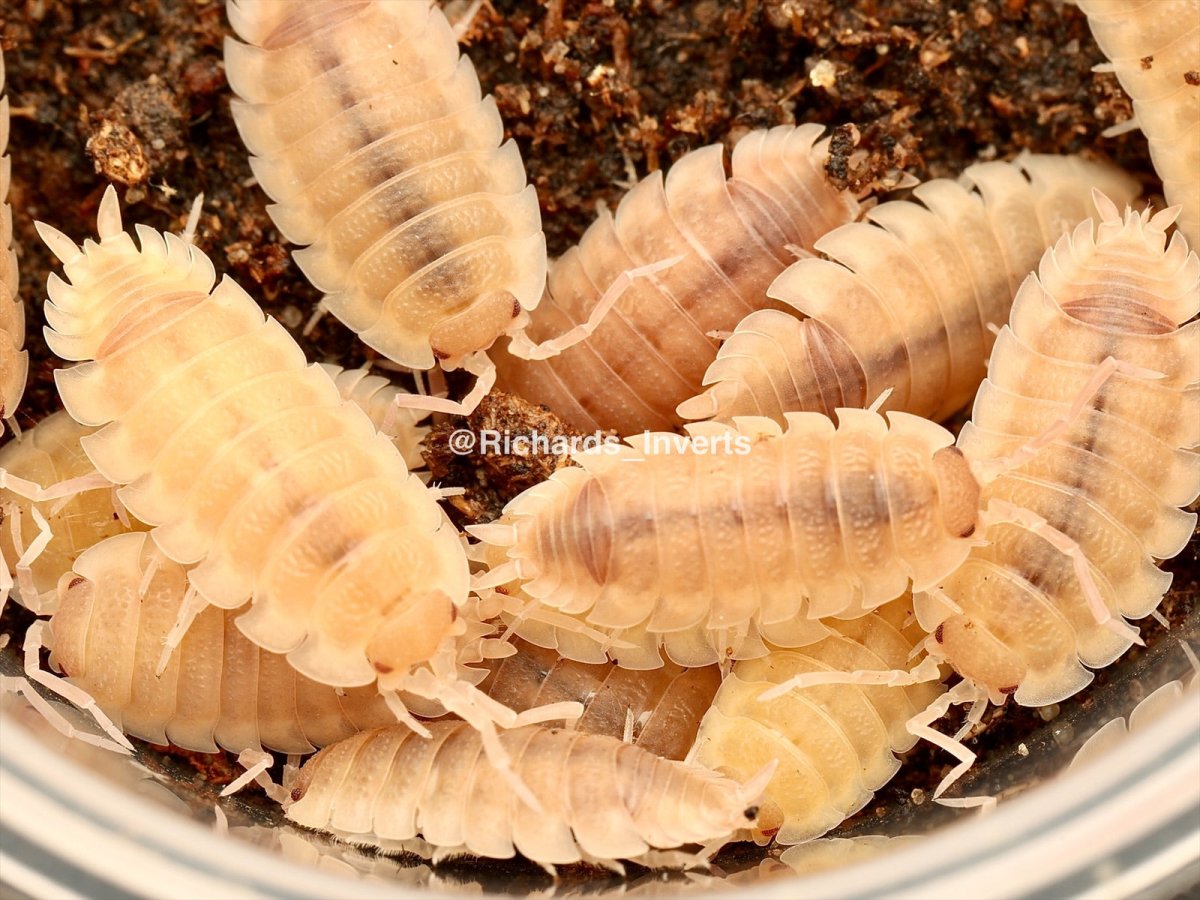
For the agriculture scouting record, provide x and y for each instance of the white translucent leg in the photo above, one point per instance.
(1003, 511)
(193, 220)
(34, 492)
(34, 642)
(28, 555)
(522, 347)
(256, 763)
(318, 314)
(479, 365)
(463, 24)
(987, 470)
(919, 726)
(193, 604)
(927, 670)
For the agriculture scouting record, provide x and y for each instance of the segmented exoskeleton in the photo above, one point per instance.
(733, 535)
(1089, 418)
(368, 130)
(600, 799)
(14, 362)
(907, 300)
(1154, 46)
(248, 463)
(658, 711)
(38, 547)
(836, 743)
(732, 236)
(218, 689)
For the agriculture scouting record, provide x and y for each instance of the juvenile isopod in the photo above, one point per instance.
(1154, 46)
(368, 130)
(733, 535)
(836, 743)
(599, 798)
(14, 362)
(906, 300)
(730, 236)
(1092, 402)
(249, 465)
(218, 690)
(658, 710)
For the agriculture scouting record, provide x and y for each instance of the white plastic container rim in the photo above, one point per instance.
(1126, 824)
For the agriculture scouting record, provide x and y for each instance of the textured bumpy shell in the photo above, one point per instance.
(1154, 46)
(836, 743)
(735, 236)
(46, 454)
(218, 690)
(14, 362)
(904, 301)
(663, 707)
(1112, 483)
(601, 799)
(743, 528)
(368, 131)
(373, 394)
(247, 461)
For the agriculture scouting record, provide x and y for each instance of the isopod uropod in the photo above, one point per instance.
(14, 362)
(368, 130)
(246, 462)
(745, 532)
(905, 301)
(1154, 46)
(600, 799)
(729, 237)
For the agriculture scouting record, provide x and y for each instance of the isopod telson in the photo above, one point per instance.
(368, 130)
(1092, 401)
(743, 533)
(836, 744)
(600, 798)
(247, 462)
(904, 301)
(1154, 46)
(218, 689)
(731, 238)
(658, 710)
(14, 362)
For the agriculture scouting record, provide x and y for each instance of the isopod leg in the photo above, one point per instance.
(479, 365)
(522, 347)
(919, 726)
(256, 763)
(1003, 511)
(193, 604)
(34, 642)
(926, 670)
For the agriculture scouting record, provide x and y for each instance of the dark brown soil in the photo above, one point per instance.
(596, 93)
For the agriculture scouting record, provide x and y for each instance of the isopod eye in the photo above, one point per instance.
(751, 813)
(297, 794)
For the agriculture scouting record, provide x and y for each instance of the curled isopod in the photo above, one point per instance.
(600, 799)
(658, 711)
(836, 743)
(247, 463)
(730, 238)
(1154, 46)
(733, 535)
(218, 690)
(368, 130)
(14, 362)
(1088, 420)
(41, 540)
(905, 301)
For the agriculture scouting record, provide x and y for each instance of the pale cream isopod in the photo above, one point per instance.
(1154, 46)
(368, 130)
(905, 301)
(729, 237)
(598, 798)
